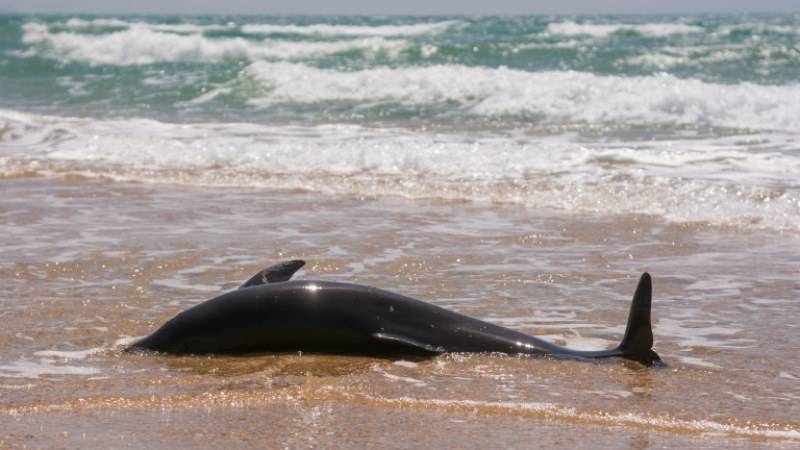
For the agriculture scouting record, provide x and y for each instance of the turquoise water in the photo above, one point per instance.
(383, 70)
(687, 118)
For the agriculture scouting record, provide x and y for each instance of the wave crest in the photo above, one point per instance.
(724, 182)
(557, 97)
(571, 28)
(141, 44)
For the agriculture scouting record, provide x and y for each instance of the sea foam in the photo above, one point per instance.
(558, 96)
(141, 44)
(728, 181)
(571, 28)
(325, 29)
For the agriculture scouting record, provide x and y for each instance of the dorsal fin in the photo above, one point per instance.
(274, 274)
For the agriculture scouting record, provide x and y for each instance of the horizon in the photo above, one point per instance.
(408, 8)
(8, 12)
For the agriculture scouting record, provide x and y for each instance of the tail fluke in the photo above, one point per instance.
(637, 344)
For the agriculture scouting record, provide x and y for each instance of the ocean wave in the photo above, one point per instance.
(557, 96)
(142, 44)
(724, 182)
(325, 29)
(316, 29)
(571, 28)
(764, 58)
(77, 23)
(670, 57)
(756, 28)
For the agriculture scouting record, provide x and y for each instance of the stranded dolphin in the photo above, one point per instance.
(269, 313)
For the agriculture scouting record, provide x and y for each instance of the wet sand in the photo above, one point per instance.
(88, 266)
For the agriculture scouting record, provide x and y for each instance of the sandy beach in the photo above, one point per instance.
(89, 266)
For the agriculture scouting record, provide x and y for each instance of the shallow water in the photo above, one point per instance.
(88, 266)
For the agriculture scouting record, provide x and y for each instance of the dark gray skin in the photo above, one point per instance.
(270, 314)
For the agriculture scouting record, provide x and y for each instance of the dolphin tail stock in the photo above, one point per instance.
(637, 343)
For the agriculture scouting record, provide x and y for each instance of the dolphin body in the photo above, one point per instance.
(269, 313)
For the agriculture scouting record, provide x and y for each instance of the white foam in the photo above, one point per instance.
(126, 341)
(140, 44)
(694, 361)
(555, 411)
(408, 364)
(571, 28)
(77, 23)
(666, 58)
(26, 368)
(690, 333)
(325, 29)
(317, 29)
(575, 341)
(67, 355)
(558, 96)
(732, 181)
(399, 378)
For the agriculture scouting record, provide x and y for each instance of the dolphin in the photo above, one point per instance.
(269, 313)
